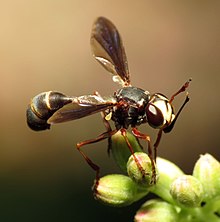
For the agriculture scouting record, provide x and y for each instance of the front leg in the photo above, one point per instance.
(123, 133)
(146, 137)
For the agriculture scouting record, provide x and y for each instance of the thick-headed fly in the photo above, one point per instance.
(129, 106)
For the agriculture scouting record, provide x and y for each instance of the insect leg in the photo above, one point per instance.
(156, 144)
(95, 167)
(146, 137)
(106, 124)
(108, 129)
(170, 127)
(123, 133)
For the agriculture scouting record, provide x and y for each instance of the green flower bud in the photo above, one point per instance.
(141, 176)
(120, 149)
(156, 210)
(207, 170)
(187, 191)
(167, 171)
(116, 190)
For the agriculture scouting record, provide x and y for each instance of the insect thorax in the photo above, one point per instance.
(130, 108)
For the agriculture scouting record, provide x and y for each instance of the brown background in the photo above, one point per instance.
(44, 45)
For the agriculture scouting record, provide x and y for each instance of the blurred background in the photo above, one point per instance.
(45, 45)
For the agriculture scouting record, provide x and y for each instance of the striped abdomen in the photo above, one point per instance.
(42, 107)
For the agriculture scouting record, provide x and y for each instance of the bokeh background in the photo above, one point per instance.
(44, 45)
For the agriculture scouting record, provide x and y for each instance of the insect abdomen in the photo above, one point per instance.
(42, 107)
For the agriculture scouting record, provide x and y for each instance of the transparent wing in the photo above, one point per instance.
(108, 49)
(80, 107)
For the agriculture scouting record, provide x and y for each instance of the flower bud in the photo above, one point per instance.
(120, 149)
(142, 172)
(207, 170)
(156, 210)
(187, 191)
(116, 190)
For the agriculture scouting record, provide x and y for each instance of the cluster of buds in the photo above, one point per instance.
(181, 197)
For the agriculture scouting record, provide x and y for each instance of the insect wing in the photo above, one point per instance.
(108, 49)
(80, 107)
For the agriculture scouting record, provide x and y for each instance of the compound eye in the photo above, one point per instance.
(154, 116)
